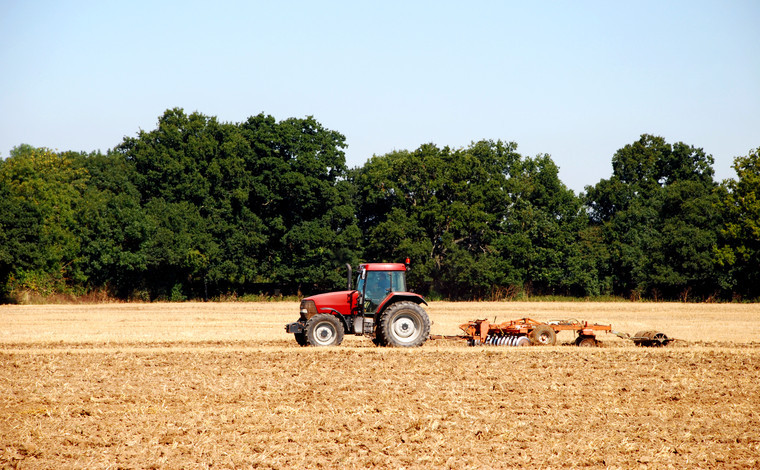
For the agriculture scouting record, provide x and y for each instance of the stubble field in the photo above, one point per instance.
(199, 385)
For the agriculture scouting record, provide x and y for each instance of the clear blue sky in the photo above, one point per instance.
(574, 79)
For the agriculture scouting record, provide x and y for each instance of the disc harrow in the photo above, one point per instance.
(528, 332)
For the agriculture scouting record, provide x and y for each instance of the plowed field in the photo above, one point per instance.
(222, 386)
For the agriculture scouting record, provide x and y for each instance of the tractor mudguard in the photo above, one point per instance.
(399, 297)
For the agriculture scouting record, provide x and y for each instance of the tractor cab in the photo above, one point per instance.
(376, 282)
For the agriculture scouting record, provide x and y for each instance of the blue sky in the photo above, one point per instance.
(574, 79)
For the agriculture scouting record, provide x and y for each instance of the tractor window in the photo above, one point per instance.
(398, 281)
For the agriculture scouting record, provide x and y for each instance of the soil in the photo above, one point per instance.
(102, 395)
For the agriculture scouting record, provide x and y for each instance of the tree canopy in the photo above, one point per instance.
(657, 219)
(738, 250)
(198, 208)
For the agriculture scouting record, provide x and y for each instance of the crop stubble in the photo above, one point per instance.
(202, 385)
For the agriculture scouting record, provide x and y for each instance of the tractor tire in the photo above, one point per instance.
(324, 330)
(301, 339)
(543, 335)
(403, 325)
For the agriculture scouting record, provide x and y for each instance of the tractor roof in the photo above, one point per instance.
(384, 266)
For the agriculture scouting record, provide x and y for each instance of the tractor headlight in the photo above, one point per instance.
(308, 309)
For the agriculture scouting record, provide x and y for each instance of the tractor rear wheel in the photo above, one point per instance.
(543, 335)
(404, 325)
(324, 330)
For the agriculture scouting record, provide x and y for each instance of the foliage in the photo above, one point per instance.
(739, 251)
(656, 220)
(41, 192)
(542, 232)
(474, 220)
(298, 189)
(198, 208)
(113, 226)
(231, 205)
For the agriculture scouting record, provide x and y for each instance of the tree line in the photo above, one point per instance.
(198, 208)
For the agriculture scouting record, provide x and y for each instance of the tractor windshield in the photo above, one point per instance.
(378, 285)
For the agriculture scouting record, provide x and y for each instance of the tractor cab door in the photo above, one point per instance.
(376, 286)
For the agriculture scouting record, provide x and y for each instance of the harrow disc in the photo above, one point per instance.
(650, 338)
(522, 341)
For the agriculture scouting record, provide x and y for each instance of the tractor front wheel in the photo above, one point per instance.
(404, 325)
(324, 330)
(301, 339)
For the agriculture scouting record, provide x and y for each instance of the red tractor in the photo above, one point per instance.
(379, 307)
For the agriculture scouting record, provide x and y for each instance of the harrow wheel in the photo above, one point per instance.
(660, 340)
(404, 324)
(543, 335)
(323, 330)
(586, 341)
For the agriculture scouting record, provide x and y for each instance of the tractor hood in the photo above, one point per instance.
(334, 302)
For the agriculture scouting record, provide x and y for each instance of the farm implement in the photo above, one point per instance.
(527, 332)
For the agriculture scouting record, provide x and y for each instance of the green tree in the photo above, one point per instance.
(655, 222)
(542, 229)
(191, 178)
(19, 237)
(681, 260)
(441, 208)
(257, 202)
(44, 190)
(474, 220)
(112, 225)
(739, 249)
(299, 191)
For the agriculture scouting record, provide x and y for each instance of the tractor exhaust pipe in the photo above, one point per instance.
(349, 276)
